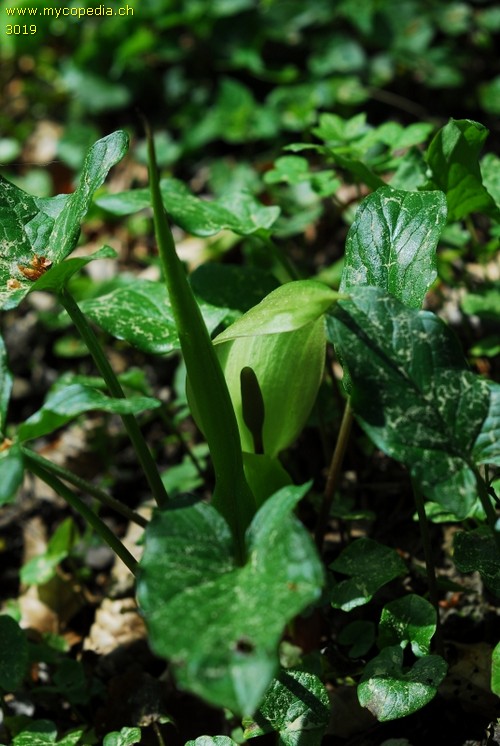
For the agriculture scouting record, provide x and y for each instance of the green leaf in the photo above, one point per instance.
(6, 379)
(240, 212)
(288, 308)
(490, 171)
(389, 691)
(360, 636)
(211, 741)
(12, 470)
(412, 392)
(44, 733)
(453, 157)
(124, 737)
(487, 446)
(296, 706)
(48, 227)
(486, 305)
(235, 288)
(212, 618)
(495, 670)
(392, 243)
(13, 654)
(42, 568)
(59, 275)
(370, 565)
(478, 550)
(141, 314)
(410, 619)
(66, 403)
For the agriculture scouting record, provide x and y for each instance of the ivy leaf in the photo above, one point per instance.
(13, 654)
(410, 619)
(48, 227)
(141, 314)
(392, 243)
(370, 565)
(412, 392)
(212, 618)
(453, 157)
(240, 213)
(67, 402)
(478, 550)
(390, 692)
(296, 706)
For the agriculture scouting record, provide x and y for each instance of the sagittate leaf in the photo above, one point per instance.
(240, 212)
(13, 654)
(141, 314)
(65, 403)
(48, 227)
(370, 565)
(412, 392)
(218, 623)
(453, 157)
(410, 619)
(296, 706)
(479, 550)
(392, 243)
(389, 691)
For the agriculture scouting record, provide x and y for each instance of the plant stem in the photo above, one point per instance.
(334, 473)
(97, 524)
(232, 496)
(168, 419)
(141, 448)
(491, 514)
(280, 256)
(85, 486)
(429, 562)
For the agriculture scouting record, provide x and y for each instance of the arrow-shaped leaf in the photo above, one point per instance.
(218, 623)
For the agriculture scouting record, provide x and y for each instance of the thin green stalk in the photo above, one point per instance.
(84, 486)
(429, 562)
(143, 453)
(232, 495)
(280, 257)
(334, 473)
(99, 526)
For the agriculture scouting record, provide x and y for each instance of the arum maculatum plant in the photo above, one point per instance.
(219, 582)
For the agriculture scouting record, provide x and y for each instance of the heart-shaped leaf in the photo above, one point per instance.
(218, 623)
(389, 691)
(412, 392)
(296, 706)
(392, 243)
(479, 550)
(33, 228)
(67, 402)
(370, 565)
